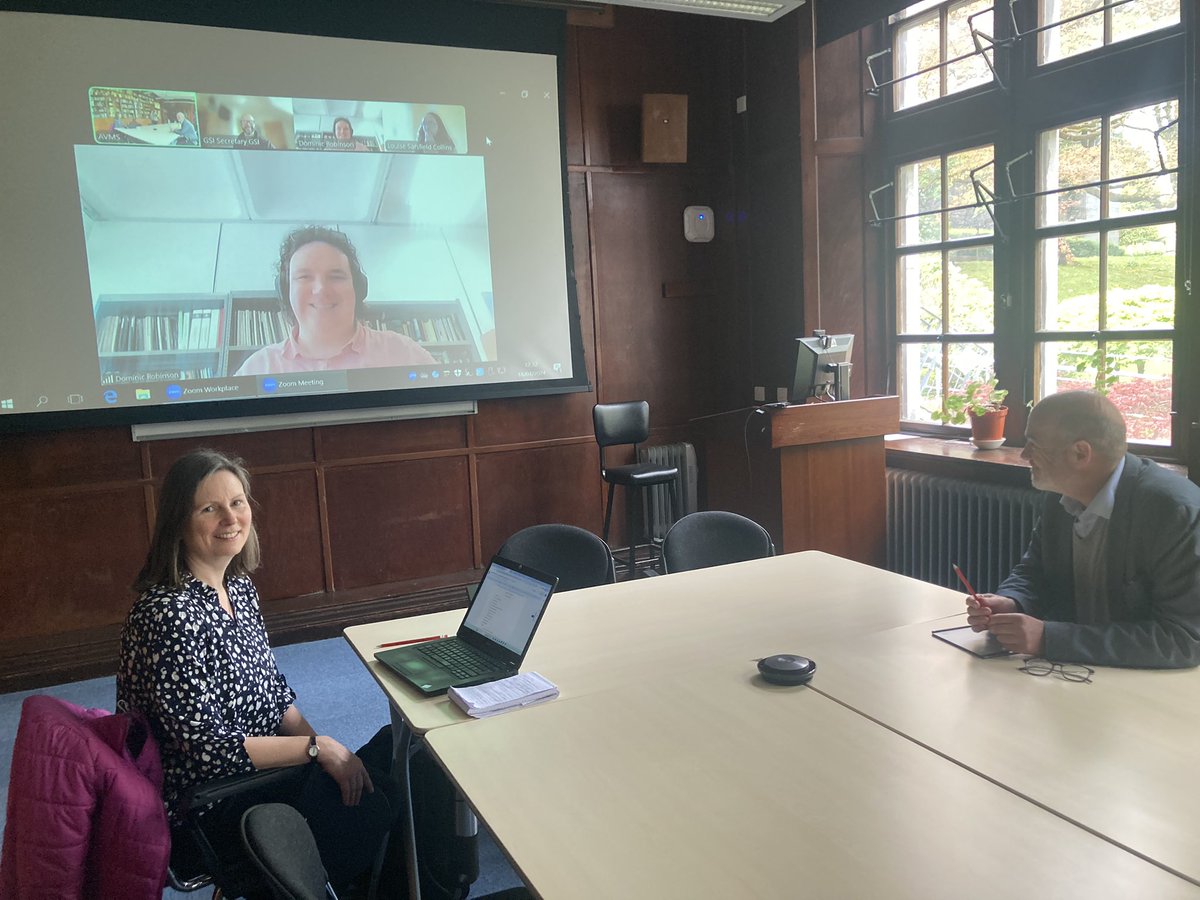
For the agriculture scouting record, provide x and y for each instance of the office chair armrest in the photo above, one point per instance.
(196, 860)
(220, 789)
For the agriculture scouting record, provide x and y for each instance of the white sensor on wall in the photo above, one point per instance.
(698, 224)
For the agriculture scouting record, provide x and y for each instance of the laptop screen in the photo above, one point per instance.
(507, 607)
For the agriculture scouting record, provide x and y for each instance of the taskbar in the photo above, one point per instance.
(127, 389)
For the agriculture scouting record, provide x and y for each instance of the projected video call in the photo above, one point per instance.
(191, 277)
(237, 122)
(238, 244)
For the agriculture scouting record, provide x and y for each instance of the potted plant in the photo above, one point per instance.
(983, 403)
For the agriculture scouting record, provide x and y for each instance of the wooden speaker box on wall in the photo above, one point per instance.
(664, 128)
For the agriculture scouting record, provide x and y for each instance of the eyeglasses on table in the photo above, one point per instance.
(1067, 671)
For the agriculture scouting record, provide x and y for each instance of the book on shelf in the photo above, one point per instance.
(429, 330)
(136, 332)
(258, 327)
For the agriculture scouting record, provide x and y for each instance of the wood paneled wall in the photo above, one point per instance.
(369, 521)
(843, 288)
(803, 152)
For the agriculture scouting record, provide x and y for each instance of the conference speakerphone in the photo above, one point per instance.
(787, 668)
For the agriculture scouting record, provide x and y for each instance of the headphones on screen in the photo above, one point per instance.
(310, 234)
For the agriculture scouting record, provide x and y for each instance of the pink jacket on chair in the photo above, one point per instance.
(85, 812)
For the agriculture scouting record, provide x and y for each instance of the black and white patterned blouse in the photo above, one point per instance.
(204, 680)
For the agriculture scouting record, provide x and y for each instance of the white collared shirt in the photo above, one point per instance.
(1101, 506)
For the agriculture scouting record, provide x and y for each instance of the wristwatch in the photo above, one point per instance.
(313, 750)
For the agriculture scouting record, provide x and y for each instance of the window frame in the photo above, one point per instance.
(942, 14)
(943, 247)
(1008, 113)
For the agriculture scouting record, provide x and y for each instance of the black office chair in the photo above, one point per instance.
(714, 538)
(579, 558)
(196, 861)
(281, 846)
(629, 423)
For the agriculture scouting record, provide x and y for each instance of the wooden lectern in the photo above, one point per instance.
(812, 475)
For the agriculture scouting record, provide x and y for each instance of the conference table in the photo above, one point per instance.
(906, 768)
(161, 135)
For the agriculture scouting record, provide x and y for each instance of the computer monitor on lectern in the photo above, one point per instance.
(822, 367)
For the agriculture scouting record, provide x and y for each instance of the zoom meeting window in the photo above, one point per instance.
(1035, 216)
(205, 215)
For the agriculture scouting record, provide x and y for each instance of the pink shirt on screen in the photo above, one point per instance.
(367, 349)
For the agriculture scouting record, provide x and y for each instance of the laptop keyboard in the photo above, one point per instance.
(460, 659)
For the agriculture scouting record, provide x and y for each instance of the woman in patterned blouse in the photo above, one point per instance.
(196, 661)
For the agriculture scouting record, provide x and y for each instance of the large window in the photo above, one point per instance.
(1105, 261)
(935, 52)
(1070, 27)
(944, 277)
(1035, 221)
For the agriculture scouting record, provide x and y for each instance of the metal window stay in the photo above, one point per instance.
(878, 220)
(1103, 7)
(983, 42)
(1163, 169)
(987, 198)
(976, 35)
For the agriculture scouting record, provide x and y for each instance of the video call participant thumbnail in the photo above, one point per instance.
(432, 134)
(322, 292)
(250, 137)
(343, 131)
(187, 131)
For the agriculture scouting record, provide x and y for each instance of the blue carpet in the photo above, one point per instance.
(336, 695)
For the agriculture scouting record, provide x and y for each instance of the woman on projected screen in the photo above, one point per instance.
(322, 292)
(344, 132)
(433, 134)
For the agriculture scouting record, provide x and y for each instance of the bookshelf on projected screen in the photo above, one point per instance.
(210, 336)
(181, 334)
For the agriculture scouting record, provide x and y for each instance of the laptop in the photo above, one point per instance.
(494, 636)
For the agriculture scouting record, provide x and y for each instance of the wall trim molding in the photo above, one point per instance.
(29, 664)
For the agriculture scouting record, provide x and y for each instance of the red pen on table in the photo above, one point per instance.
(432, 637)
(966, 584)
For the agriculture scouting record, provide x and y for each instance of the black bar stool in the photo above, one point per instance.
(629, 423)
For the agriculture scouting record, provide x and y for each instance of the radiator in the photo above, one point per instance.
(660, 514)
(935, 521)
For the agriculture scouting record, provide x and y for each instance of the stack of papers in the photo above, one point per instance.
(497, 697)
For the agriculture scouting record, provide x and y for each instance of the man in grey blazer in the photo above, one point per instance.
(1112, 573)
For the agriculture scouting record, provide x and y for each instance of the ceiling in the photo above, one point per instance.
(834, 18)
(752, 10)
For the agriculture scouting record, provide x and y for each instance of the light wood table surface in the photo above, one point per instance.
(602, 637)
(1117, 756)
(667, 767)
(720, 786)
(161, 135)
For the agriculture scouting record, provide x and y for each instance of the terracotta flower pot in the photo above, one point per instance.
(987, 431)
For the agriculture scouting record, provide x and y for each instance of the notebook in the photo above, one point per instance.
(494, 636)
(980, 643)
